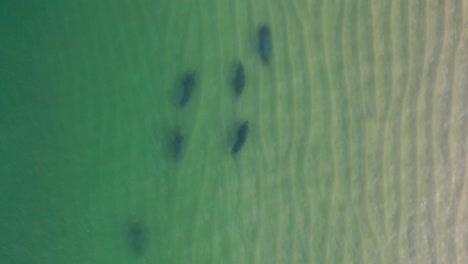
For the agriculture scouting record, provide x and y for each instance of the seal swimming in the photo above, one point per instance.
(177, 145)
(239, 78)
(242, 133)
(137, 238)
(264, 43)
(188, 85)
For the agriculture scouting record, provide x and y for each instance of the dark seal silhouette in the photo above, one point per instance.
(264, 43)
(177, 143)
(137, 238)
(239, 78)
(188, 85)
(242, 133)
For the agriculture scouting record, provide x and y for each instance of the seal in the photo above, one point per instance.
(242, 133)
(188, 85)
(239, 78)
(264, 43)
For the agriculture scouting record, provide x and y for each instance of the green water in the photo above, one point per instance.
(338, 167)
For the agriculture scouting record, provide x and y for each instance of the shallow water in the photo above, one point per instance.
(357, 132)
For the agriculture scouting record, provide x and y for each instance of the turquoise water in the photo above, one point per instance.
(341, 164)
